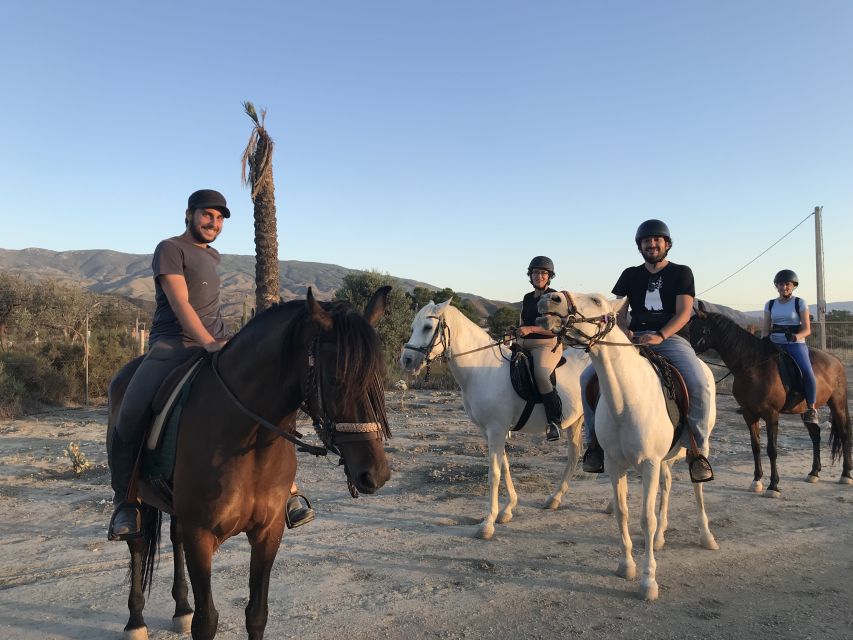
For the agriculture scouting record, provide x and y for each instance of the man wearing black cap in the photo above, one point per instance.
(188, 314)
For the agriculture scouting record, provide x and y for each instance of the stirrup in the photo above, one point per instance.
(295, 515)
(129, 535)
(699, 468)
(552, 433)
(810, 416)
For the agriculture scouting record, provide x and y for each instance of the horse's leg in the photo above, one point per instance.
(772, 434)
(265, 543)
(506, 513)
(200, 545)
(814, 434)
(496, 453)
(663, 509)
(135, 628)
(754, 426)
(706, 538)
(627, 568)
(573, 434)
(649, 524)
(183, 617)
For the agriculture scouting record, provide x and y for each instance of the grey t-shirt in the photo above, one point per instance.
(198, 266)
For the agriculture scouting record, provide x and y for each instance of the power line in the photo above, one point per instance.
(756, 257)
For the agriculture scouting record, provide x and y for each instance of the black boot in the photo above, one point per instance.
(125, 522)
(593, 459)
(295, 514)
(554, 415)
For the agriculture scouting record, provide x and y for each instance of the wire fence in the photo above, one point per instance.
(839, 338)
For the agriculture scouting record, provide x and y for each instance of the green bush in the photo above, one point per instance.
(11, 393)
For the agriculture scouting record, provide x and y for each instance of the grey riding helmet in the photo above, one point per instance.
(786, 275)
(652, 229)
(542, 262)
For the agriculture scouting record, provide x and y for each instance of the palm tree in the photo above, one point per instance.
(258, 158)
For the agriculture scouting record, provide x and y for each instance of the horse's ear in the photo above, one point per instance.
(441, 306)
(375, 309)
(701, 309)
(617, 305)
(319, 316)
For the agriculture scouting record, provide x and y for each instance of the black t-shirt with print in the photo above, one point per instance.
(652, 295)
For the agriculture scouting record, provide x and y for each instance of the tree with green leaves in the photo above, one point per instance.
(421, 296)
(396, 323)
(501, 320)
(257, 158)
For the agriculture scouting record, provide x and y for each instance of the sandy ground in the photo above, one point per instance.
(405, 564)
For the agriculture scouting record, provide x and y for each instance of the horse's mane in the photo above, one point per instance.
(734, 336)
(361, 367)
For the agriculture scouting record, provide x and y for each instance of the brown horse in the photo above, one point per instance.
(759, 391)
(234, 468)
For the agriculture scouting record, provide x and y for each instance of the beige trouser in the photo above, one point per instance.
(545, 359)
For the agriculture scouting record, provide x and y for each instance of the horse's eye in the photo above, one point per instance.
(427, 329)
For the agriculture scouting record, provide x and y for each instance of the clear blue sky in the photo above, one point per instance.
(443, 141)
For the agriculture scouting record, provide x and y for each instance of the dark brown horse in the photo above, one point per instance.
(233, 473)
(759, 390)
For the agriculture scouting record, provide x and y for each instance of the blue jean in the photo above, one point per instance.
(678, 351)
(799, 351)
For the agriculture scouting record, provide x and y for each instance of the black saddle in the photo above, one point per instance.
(674, 391)
(521, 376)
(791, 377)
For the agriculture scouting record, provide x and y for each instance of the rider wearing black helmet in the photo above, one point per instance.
(788, 324)
(660, 294)
(541, 343)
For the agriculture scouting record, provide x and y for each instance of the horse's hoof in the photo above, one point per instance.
(659, 543)
(627, 571)
(772, 493)
(140, 633)
(757, 486)
(812, 479)
(845, 480)
(504, 517)
(649, 591)
(709, 543)
(485, 532)
(182, 624)
(553, 504)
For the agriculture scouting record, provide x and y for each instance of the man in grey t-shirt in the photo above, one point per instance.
(188, 316)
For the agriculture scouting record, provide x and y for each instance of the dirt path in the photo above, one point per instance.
(404, 563)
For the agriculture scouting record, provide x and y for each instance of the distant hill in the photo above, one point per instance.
(129, 275)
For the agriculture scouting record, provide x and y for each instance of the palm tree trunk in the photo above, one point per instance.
(266, 240)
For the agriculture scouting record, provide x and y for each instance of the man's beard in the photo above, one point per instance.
(195, 232)
(655, 259)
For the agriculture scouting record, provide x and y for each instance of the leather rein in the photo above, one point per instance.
(604, 324)
(326, 428)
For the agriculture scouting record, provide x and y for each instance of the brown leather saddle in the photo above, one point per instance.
(674, 392)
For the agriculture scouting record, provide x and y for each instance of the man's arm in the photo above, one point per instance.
(683, 309)
(175, 288)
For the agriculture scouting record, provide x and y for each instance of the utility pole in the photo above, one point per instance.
(821, 295)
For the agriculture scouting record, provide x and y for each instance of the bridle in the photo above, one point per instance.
(604, 324)
(440, 335)
(331, 433)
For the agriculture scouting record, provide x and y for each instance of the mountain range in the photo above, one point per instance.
(129, 275)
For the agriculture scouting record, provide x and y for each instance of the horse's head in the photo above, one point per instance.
(582, 318)
(344, 387)
(701, 335)
(429, 337)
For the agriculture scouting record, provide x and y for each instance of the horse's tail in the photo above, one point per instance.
(151, 524)
(840, 433)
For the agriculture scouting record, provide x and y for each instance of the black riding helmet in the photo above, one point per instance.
(652, 229)
(786, 275)
(542, 262)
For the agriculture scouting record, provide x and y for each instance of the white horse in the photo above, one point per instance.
(631, 422)
(481, 368)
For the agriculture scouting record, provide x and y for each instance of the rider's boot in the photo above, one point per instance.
(553, 414)
(810, 416)
(593, 458)
(126, 521)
